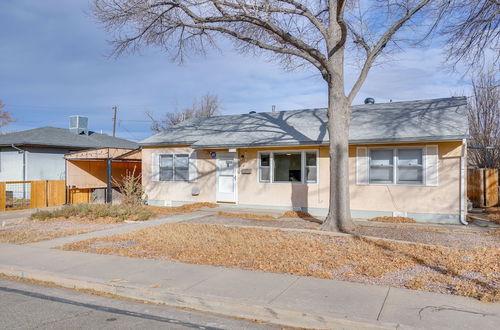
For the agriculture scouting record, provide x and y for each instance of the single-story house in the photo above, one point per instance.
(405, 158)
(38, 154)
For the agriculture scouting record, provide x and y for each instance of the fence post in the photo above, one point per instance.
(2, 196)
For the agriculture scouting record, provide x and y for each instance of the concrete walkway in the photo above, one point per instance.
(276, 298)
(125, 228)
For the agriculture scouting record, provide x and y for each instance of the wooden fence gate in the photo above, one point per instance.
(16, 195)
(482, 186)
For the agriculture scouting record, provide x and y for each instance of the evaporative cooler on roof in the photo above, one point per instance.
(79, 125)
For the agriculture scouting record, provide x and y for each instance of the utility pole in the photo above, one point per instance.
(115, 108)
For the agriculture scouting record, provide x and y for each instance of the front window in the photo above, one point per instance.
(174, 167)
(293, 166)
(287, 167)
(396, 166)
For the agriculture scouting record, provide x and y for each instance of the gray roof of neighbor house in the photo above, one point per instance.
(63, 138)
(423, 120)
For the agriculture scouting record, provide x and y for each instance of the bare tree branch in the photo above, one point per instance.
(207, 105)
(484, 119)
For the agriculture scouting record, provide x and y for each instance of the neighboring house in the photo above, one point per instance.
(406, 158)
(38, 154)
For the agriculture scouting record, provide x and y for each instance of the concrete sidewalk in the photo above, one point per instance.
(276, 298)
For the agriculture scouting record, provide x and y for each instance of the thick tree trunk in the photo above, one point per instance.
(339, 213)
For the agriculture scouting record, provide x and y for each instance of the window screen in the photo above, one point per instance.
(381, 166)
(410, 166)
(174, 167)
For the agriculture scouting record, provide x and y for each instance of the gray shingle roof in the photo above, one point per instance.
(422, 120)
(61, 137)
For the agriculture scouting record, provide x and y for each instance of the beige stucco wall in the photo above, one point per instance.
(441, 199)
(180, 191)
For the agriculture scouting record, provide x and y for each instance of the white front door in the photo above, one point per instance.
(226, 177)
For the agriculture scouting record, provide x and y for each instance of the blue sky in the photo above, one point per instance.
(54, 63)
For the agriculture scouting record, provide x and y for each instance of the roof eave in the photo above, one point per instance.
(324, 143)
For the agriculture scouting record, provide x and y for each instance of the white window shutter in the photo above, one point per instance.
(155, 167)
(431, 161)
(193, 167)
(362, 165)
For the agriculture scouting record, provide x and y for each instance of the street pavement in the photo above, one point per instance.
(29, 306)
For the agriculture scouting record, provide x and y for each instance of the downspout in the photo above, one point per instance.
(24, 167)
(463, 193)
(24, 159)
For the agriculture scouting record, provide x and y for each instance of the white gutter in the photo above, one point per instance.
(463, 191)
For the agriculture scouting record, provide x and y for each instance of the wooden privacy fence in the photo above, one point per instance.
(15, 195)
(482, 186)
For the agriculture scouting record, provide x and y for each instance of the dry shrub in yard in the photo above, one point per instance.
(131, 188)
(473, 272)
(393, 219)
(96, 212)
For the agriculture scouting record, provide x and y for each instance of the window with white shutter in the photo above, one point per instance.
(397, 166)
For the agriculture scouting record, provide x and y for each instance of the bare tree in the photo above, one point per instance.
(292, 32)
(471, 30)
(5, 118)
(484, 120)
(207, 105)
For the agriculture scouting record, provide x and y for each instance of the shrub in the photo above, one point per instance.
(131, 188)
(95, 211)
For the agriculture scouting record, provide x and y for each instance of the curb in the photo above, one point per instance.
(214, 305)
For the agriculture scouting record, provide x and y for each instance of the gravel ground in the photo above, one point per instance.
(442, 237)
(278, 223)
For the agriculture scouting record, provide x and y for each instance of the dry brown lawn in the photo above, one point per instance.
(393, 219)
(36, 231)
(472, 272)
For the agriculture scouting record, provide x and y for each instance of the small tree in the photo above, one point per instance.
(207, 105)
(5, 118)
(291, 32)
(484, 119)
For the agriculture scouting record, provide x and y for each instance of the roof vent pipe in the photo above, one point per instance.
(369, 100)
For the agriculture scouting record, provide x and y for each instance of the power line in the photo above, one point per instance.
(73, 107)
